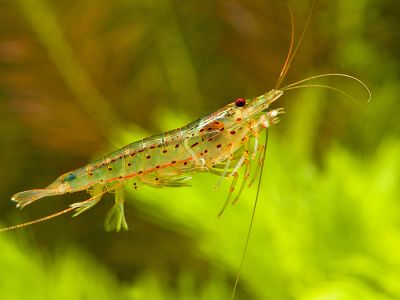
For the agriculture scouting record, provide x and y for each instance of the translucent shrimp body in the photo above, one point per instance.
(217, 143)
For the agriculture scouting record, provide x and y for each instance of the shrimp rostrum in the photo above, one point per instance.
(218, 143)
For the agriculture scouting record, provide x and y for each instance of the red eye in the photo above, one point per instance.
(240, 102)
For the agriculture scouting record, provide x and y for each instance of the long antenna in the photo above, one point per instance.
(252, 218)
(290, 56)
(38, 220)
(297, 84)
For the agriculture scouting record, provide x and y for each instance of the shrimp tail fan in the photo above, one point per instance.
(24, 198)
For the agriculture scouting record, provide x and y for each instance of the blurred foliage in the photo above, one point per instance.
(80, 78)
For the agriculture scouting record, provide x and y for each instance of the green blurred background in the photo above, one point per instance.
(81, 78)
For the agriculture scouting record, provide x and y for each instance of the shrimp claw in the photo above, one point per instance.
(231, 189)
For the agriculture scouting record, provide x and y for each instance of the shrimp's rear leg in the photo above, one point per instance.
(260, 162)
(234, 173)
(245, 177)
(227, 164)
(231, 189)
(96, 193)
(115, 218)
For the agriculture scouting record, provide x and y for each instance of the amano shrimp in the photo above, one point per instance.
(220, 143)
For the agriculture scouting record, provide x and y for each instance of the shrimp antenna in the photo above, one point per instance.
(37, 220)
(252, 218)
(299, 84)
(292, 53)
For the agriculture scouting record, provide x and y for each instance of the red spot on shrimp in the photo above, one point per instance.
(194, 145)
(219, 146)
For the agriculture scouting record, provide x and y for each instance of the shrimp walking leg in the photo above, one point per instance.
(231, 189)
(218, 184)
(116, 217)
(223, 174)
(255, 147)
(261, 150)
(245, 177)
(241, 161)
